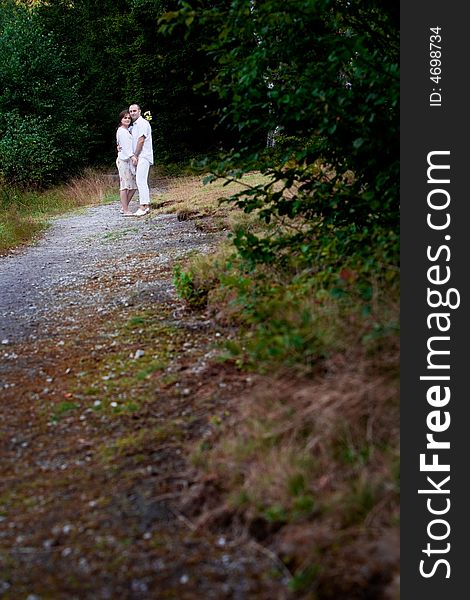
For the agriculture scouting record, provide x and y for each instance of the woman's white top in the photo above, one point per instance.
(124, 140)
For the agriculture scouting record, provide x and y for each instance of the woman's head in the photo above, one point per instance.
(124, 118)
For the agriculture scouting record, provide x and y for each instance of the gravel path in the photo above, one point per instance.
(38, 283)
(99, 498)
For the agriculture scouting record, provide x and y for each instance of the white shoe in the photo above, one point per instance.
(141, 212)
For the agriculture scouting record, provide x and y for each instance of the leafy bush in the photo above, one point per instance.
(186, 288)
(42, 131)
(300, 323)
(301, 307)
(27, 155)
(194, 282)
(324, 76)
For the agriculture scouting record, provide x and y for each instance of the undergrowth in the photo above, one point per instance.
(311, 464)
(295, 312)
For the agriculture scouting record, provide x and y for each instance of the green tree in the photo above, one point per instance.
(120, 56)
(323, 74)
(94, 38)
(42, 137)
(167, 71)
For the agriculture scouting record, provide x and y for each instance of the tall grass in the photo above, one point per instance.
(25, 213)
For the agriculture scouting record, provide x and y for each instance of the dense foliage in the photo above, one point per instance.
(80, 64)
(318, 80)
(121, 57)
(322, 77)
(41, 132)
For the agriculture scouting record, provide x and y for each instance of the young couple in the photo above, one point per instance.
(135, 155)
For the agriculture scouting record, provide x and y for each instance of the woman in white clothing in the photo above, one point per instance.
(127, 182)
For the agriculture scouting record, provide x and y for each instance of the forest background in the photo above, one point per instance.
(305, 94)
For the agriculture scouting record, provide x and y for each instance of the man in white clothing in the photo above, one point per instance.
(143, 156)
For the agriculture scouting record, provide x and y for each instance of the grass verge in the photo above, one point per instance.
(25, 213)
(309, 463)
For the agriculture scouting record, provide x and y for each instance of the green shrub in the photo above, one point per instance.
(27, 155)
(200, 275)
(324, 76)
(187, 289)
(42, 129)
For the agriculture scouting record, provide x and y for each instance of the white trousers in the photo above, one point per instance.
(141, 176)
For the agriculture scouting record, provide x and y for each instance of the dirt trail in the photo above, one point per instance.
(46, 278)
(107, 384)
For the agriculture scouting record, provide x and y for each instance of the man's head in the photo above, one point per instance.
(134, 110)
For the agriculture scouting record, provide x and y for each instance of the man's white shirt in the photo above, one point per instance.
(141, 127)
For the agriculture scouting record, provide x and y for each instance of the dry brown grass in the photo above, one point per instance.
(308, 464)
(310, 467)
(320, 427)
(90, 188)
(189, 197)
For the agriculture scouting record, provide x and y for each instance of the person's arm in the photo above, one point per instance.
(140, 145)
(138, 148)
